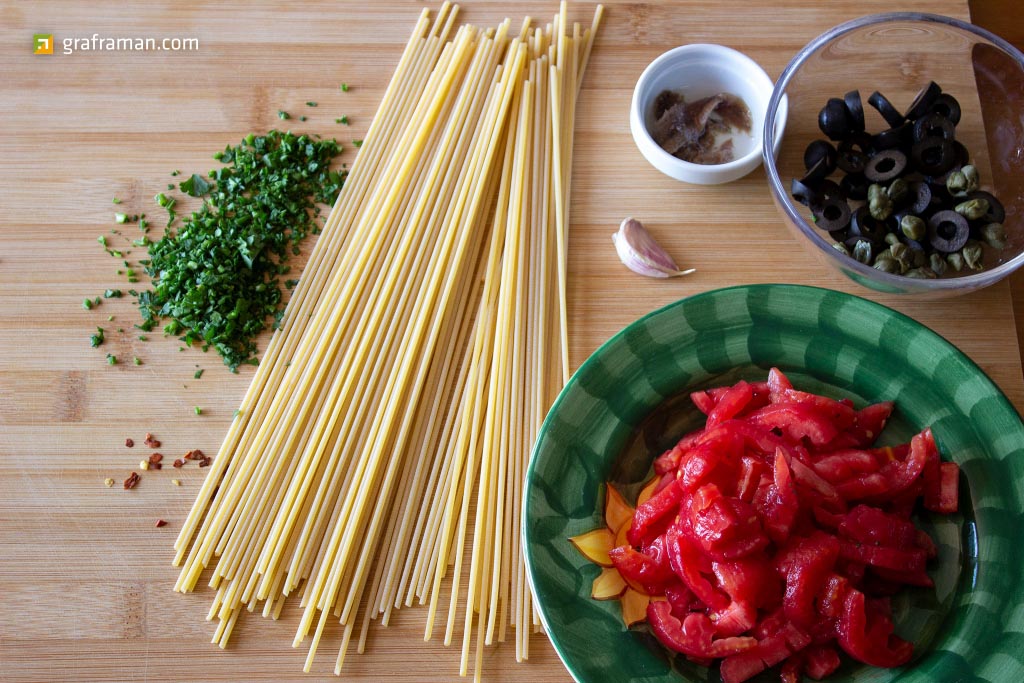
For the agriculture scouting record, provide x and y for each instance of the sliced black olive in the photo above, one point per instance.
(829, 188)
(885, 108)
(819, 171)
(923, 101)
(946, 105)
(855, 109)
(863, 224)
(802, 192)
(934, 125)
(963, 155)
(948, 231)
(855, 185)
(996, 212)
(940, 194)
(885, 165)
(851, 159)
(893, 138)
(833, 119)
(818, 150)
(839, 235)
(933, 156)
(831, 214)
(921, 197)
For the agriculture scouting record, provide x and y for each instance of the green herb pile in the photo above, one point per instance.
(216, 278)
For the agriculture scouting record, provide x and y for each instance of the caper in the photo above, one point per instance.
(880, 207)
(956, 182)
(913, 227)
(923, 273)
(898, 190)
(972, 255)
(901, 254)
(918, 258)
(955, 261)
(994, 235)
(972, 209)
(863, 252)
(841, 248)
(875, 190)
(937, 264)
(891, 238)
(886, 263)
(972, 176)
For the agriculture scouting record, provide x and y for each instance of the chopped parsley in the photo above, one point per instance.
(217, 278)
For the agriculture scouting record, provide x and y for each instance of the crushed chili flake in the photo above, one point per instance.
(132, 480)
(160, 523)
(151, 442)
(129, 443)
(157, 466)
(195, 454)
(205, 462)
(155, 458)
(179, 462)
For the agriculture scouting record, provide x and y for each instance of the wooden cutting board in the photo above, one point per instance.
(85, 574)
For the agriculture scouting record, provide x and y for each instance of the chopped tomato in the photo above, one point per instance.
(774, 535)
(870, 641)
(647, 517)
(693, 635)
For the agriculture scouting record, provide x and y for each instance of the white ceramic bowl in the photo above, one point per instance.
(700, 70)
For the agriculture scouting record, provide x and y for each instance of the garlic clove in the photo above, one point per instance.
(641, 254)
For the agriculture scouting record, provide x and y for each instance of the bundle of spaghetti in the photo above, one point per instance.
(382, 445)
(468, 530)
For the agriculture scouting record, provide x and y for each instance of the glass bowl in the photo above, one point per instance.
(897, 54)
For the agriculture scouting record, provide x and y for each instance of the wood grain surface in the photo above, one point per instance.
(85, 574)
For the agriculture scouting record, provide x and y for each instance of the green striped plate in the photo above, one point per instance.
(626, 404)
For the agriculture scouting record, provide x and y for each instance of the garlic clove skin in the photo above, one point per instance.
(640, 253)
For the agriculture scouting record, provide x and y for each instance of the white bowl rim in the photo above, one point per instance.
(898, 282)
(698, 48)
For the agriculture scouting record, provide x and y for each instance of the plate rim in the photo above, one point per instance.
(530, 475)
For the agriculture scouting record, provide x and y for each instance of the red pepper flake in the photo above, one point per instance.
(155, 458)
(205, 462)
(157, 466)
(179, 462)
(151, 442)
(129, 443)
(131, 481)
(194, 455)
(160, 523)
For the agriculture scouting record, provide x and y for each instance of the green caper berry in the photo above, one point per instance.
(880, 207)
(972, 209)
(972, 176)
(901, 254)
(913, 227)
(994, 235)
(956, 182)
(955, 261)
(841, 248)
(937, 264)
(898, 190)
(863, 252)
(918, 258)
(887, 263)
(972, 255)
(891, 238)
(875, 190)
